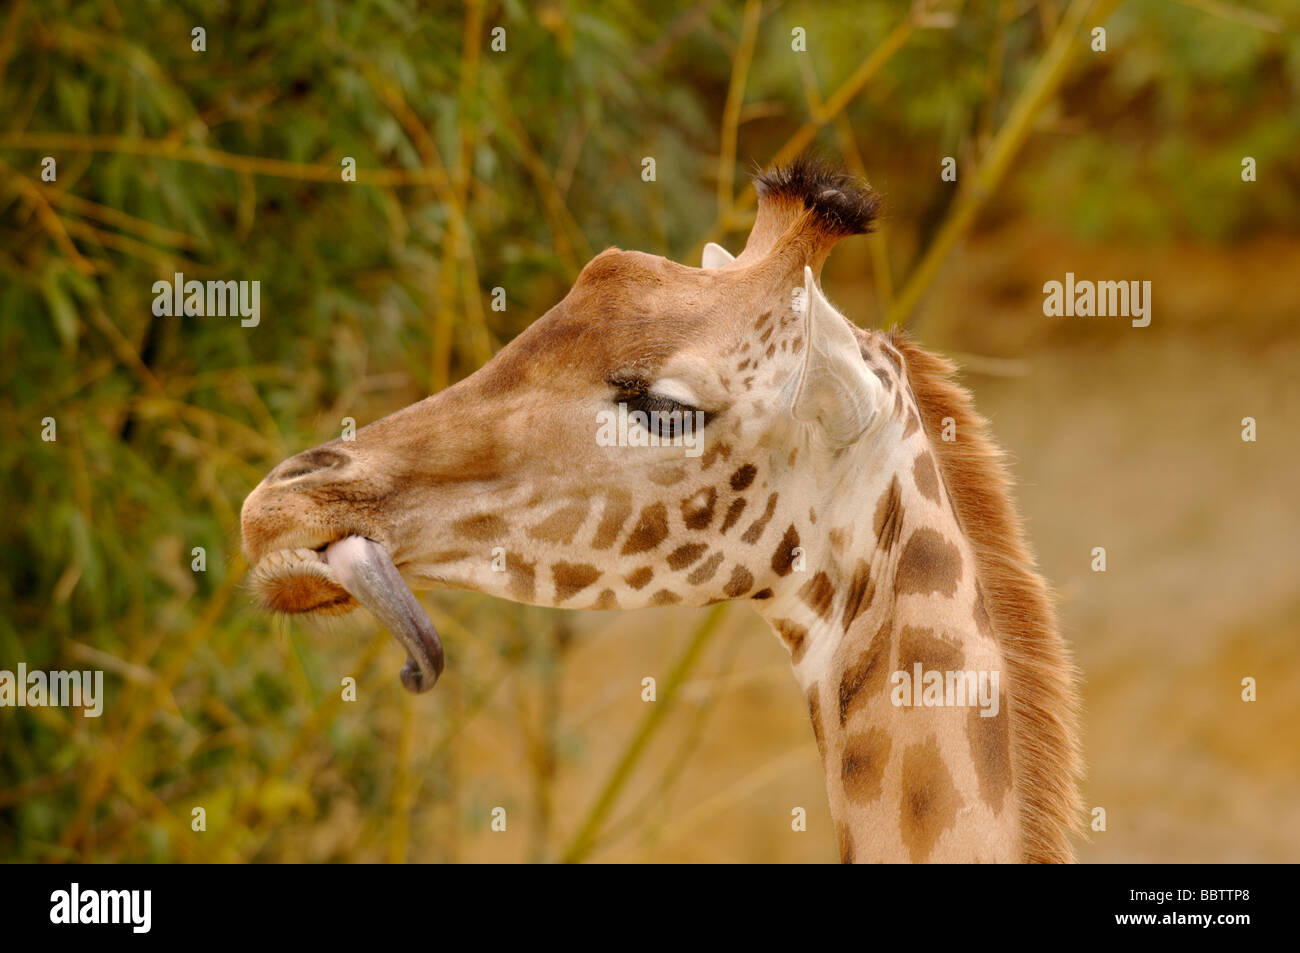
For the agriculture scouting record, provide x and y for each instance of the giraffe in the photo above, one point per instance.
(841, 483)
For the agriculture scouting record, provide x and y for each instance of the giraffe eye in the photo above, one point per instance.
(660, 415)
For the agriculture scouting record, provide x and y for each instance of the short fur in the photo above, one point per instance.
(1044, 695)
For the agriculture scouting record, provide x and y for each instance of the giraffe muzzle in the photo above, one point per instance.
(364, 568)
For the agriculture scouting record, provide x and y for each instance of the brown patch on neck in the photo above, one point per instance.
(783, 558)
(930, 800)
(888, 522)
(866, 677)
(862, 590)
(990, 748)
(866, 754)
(795, 637)
(929, 564)
(818, 594)
(925, 476)
(756, 528)
(932, 651)
(815, 716)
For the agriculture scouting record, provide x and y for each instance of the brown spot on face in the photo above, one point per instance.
(650, 530)
(930, 801)
(929, 563)
(866, 677)
(483, 528)
(794, 636)
(743, 364)
(794, 455)
(572, 578)
(763, 318)
(990, 748)
(861, 591)
(888, 522)
(748, 382)
(771, 349)
(665, 598)
(815, 716)
(683, 556)
(697, 510)
(866, 754)
(733, 513)
(783, 558)
(742, 478)
(926, 476)
(705, 570)
(762, 594)
(762, 338)
(639, 578)
(668, 475)
(982, 621)
(839, 538)
(756, 528)
(932, 651)
(618, 507)
(523, 578)
(561, 525)
(606, 600)
(817, 594)
(741, 582)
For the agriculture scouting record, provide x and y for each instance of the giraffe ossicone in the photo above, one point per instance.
(821, 494)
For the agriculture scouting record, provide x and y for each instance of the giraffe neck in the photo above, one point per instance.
(896, 587)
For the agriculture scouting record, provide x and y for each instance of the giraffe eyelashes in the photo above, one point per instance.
(662, 416)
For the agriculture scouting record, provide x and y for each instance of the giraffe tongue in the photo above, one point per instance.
(366, 571)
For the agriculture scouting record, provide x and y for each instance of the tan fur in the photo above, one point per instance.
(1044, 698)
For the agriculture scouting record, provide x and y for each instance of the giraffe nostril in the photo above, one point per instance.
(311, 461)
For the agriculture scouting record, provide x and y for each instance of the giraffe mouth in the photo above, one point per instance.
(338, 576)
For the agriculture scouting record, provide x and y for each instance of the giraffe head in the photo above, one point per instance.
(654, 439)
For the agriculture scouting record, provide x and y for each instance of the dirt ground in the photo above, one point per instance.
(1121, 437)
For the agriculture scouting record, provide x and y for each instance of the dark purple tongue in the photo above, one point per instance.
(366, 571)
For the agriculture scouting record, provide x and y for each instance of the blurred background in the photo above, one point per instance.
(482, 168)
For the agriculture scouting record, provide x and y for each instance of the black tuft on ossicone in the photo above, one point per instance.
(843, 204)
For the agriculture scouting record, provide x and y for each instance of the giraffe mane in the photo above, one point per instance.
(1044, 696)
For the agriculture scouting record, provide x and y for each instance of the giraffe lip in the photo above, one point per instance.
(298, 580)
(364, 570)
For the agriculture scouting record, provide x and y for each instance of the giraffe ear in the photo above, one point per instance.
(836, 390)
(715, 256)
